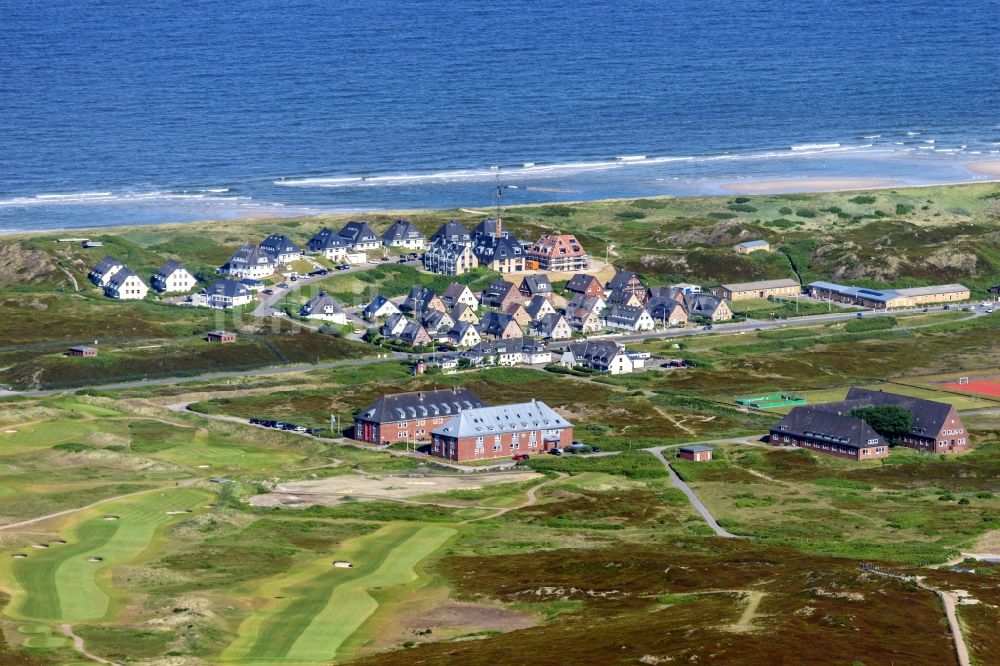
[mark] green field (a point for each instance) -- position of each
(328, 605)
(61, 583)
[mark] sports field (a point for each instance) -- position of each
(317, 608)
(982, 387)
(70, 582)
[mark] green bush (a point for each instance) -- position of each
(805, 212)
(785, 210)
(626, 215)
(870, 324)
(863, 199)
(742, 208)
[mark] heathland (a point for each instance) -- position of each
(132, 517)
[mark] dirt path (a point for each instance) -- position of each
(78, 645)
(531, 499)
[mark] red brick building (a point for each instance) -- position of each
(937, 427)
(221, 337)
(88, 352)
(695, 452)
(829, 431)
(410, 417)
(502, 431)
(584, 284)
(559, 252)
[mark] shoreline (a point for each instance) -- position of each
(762, 188)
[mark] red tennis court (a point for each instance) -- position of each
(982, 387)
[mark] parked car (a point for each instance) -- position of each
(519, 457)
(401, 260)
(301, 429)
(322, 271)
(555, 452)
(947, 307)
(860, 315)
(595, 449)
(269, 292)
(256, 421)
(282, 286)
(343, 267)
(294, 278)
(413, 255)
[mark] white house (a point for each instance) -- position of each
(328, 244)
(250, 262)
(173, 278)
(628, 318)
(227, 293)
(281, 248)
(403, 234)
(324, 306)
(459, 293)
(553, 326)
(379, 307)
(602, 355)
(360, 236)
(394, 325)
(126, 285)
(102, 273)
(464, 334)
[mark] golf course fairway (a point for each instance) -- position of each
(324, 605)
(65, 582)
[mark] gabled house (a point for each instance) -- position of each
(520, 315)
(328, 244)
(502, 254)
(667, 312)
(126, 285)
(538, 307)
(937, 427)
(626, 281)
(379, 308)
(553, 326)
(463, 312)
(464, 334)
(457, 294)
(324, 306)
(250, 262)
(436, 323)
(281, 248)
(399, 417)
(583, 313)
(447, 258)
(601, 355)
(513, 351)
(500, 294)
(499, 325)
(493, 432)
(707, 306)
(453, 232)
(173, 278)
(585, 285)
(421, 299)
(360, 236)
(225, 293)
(828, 431)
(674, 293)
(102, 273)
(559, 252)
(628, 318)
(402, 233)
(489, 228)
(394, 325)
(415, 335)
(625, 297)
(536, 285)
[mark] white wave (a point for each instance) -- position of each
(975, 152)
(871, 136)
(946, 150)
(928, 140)
(78, 195)
(925, 147)
(92, 198)
(528, 164)
(913, 134)
(630, 158)
(814, 146)
(897, 143)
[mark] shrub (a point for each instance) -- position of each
(627, 215)
(805, 212)
(863, 199)
(742, 208)
(903, 209)
(785, 210)
(741, 200)
(870, 324)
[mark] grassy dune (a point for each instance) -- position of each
(328, 605)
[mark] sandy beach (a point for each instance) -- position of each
(809, 185)
(987, 168)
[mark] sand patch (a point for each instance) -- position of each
(809, 185)
(986, 168)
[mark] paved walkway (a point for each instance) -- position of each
(678, 483)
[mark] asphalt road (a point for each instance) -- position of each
(678, 483)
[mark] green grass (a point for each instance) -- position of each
(329, 605)
(59, 584)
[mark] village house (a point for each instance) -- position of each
(394, 325)
(329, 245)
(515, 351)
(250, 262)
(379, 308)
(414, 334)
(583, 313)
(558, 252)
(519, 313)
(695, 452)
(536, 285)
(538, 307)
(490, 227)
(585, 285)
(463, 312)
(813, 427)
(457, 294)
(453, 232)
(421, 299)
(667, 312)
(628, 318)
(553, 326)
(937, 427)
(708, 307)
(626, 281)
(410, 417)
(173, 278)
(126, 285)
(324, 306)
(603, 355)
(499, 325)
(742, 291)
(625, 297)
(437, 323)
(281, 248)
(464, 334)
(360, 236)
(746, 247)
(403, 234)
(889, 298)
(502, 254)
(500, 294)
(674, 293)
(505, 430)
(102, 273)
(220, 337)
(687, 287)
(447, 258)
(227, 293)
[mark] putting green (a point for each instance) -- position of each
(50, 433)
(85, 408)
(62, 584)
(326, 605)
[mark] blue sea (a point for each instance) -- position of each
(115, 112)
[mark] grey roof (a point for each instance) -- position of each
(662, 308)
(485, 421)
(492, 248)
(696, 448)
(459, 329)
(513, 345)
(228, 288)
(933, 290)
(278, 244)
(377, 303)
(452, 232)
(253, 255)
(622, 279)
(535, 305)
(358, 232)
(580, 282)
(118, 279)
(453, 293)
(435, 320)
(418, 299)
(760, 285)
(621, 296)
(494, 294)
(105, 265)
(445, 249)
(599, 351)
(698, 304)
(536, 284)
(547, 324)
(754, 243)
(420, 404)
(168, 269)
(668, 293)
(401, 230)
(325, 239)
(487, 228)
(412, 332)
(627, 313)
(495, 323)
(322, 303)
(585, 303)
(876, 295)
(929, 416)
(818, 424)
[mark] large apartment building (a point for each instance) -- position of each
(505, 430)
(410, 417)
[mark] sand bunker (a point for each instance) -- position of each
(987, 168)
(111, 518)
(19, 556)
(95, 559)
(177, 512)
(39, 545)
(204, 466)
(343, 564)
(60, 542)
(809, 185)
(10, 432)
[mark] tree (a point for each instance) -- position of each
(890, 421)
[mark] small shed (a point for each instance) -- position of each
(695, 452)
(752, 246)
(221, 337)
(88, 352)
(419, 368)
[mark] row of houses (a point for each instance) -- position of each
(830, 428)
(459, 426)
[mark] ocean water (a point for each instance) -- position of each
(115, 112)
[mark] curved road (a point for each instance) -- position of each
(678, 483)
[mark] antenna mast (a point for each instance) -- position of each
(499, 194)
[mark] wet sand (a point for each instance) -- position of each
(986, 168)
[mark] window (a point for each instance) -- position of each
(479, 441)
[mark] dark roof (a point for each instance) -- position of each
(324, 239)
(701, 303)
(453, 232)
(401, 230)
(487, 228)
(278, 244)
(822, 425)
(621, 296)
(453, 293)
(512, 345)
(548, 323)
(622, 279)
(358, 232)
(252, 254)
(420, 404)
(491, 248)
(671, 293)
(535, 305)
(495, 323)
(580, 282)
(227, 287)
(620, 312)
(322, 303)
(118, 279)
(168, 268)
(497, 290)
(418, 299)
(601, 351)
(662, 308)
(105, 265)
(536, 284)
(696, 448)
(929, 416)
